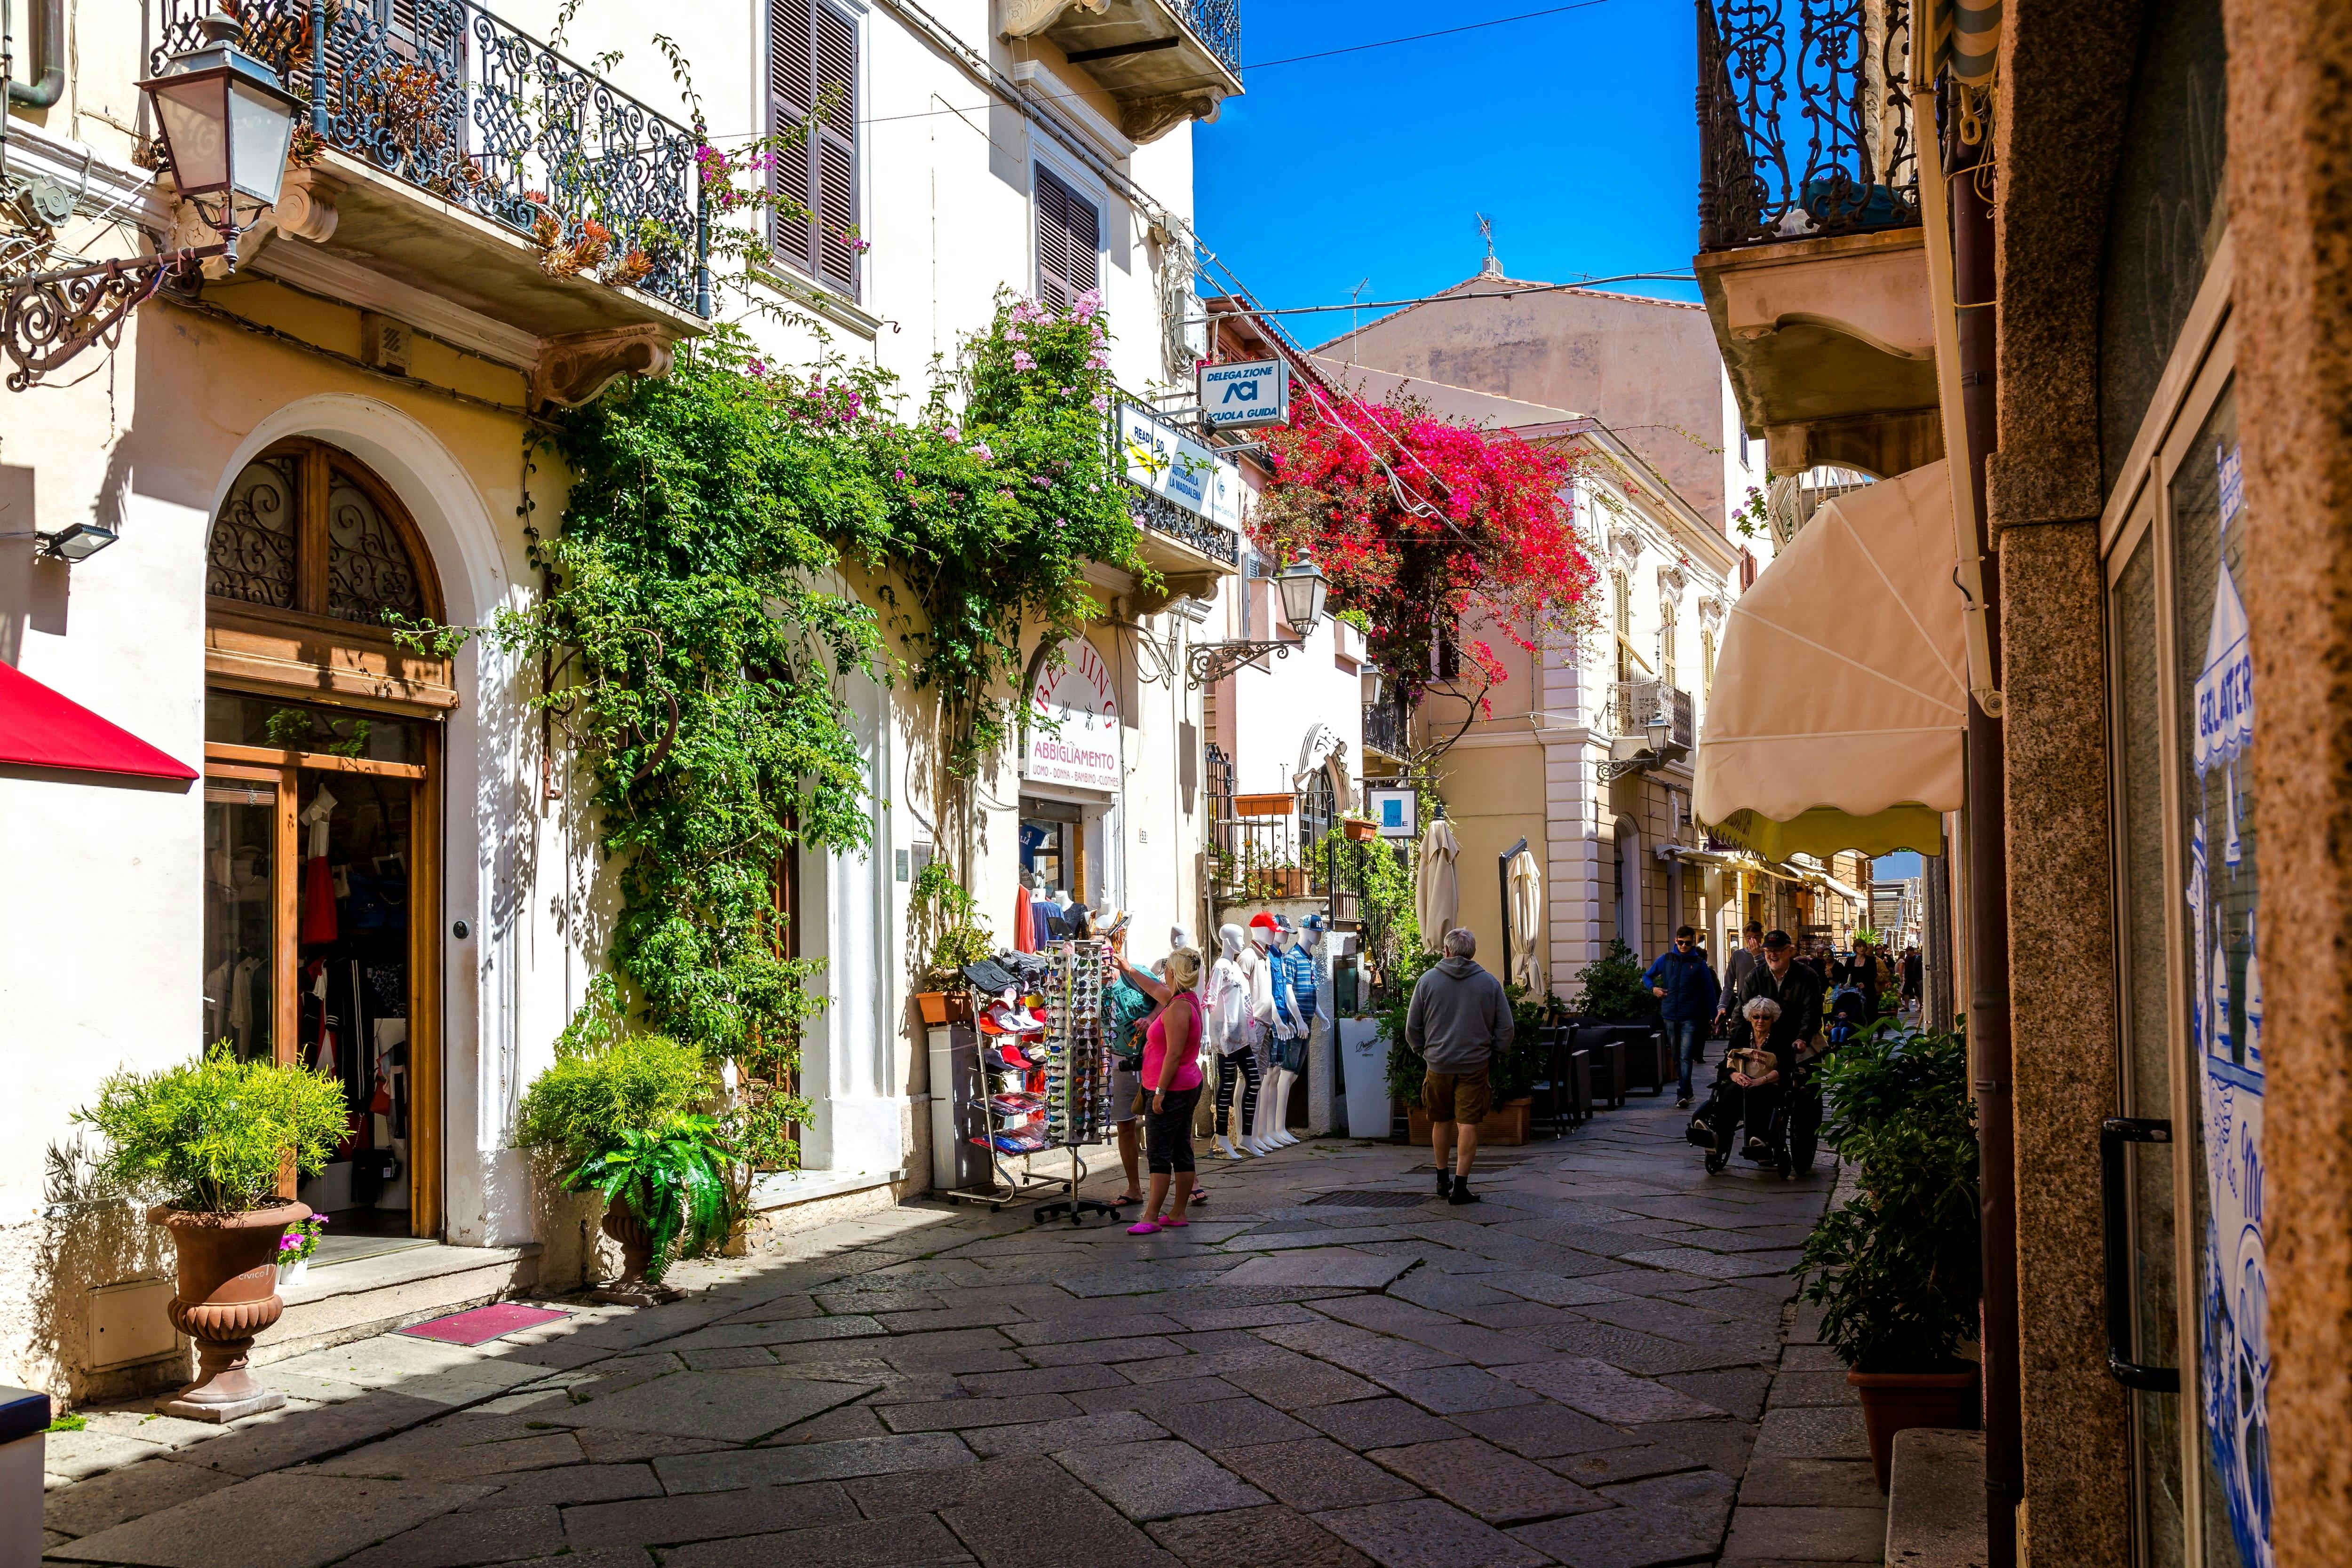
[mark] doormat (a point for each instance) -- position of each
(1367, 1199)
(483, 1323)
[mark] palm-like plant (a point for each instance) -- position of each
(673, 1177)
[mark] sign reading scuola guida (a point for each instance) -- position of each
(1073, 728)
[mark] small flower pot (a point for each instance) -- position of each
(1361, 832)
(934, 1005)
(294, 1273)
(226, 1293)
(1269, 805)
(635, 1239)
(1895, 1401)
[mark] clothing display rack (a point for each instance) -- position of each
(1077, 1048)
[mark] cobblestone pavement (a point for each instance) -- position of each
(1599, 1365)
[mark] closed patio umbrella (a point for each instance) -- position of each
(1437, 890)
(1527, 920)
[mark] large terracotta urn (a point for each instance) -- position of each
(635, 1239)
(227, 1293)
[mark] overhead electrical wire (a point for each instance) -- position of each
(1417, 37)
(1256, 313)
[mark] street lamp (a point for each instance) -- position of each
(226, 124)
(1302, 587)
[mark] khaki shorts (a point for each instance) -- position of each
(1458, 1097)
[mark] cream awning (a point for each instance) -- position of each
(1840, 703)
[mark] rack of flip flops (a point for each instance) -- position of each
(1077, 1048)
(1014, 1076)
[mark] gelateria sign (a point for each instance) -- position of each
(1073, 720)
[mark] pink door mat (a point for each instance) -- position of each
(484, 1323)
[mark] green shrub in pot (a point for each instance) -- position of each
(210, 1140)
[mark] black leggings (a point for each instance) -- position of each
(1168, 1134)
(1242, 1064)
(1754, 1106)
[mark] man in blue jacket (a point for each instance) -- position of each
(1684, 984)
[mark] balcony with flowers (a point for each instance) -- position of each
(1163, 62)
(445, 151)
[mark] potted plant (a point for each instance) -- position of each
(949, 916)
(295, 1248)
(626, 1115)
(1896, 1269)
(212, 1140)
(1359, 827)
(1280, 803)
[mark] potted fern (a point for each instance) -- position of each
(211, 1139)
(1896, 1269)
(628, 1116)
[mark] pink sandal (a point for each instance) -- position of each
(1143, 1228)
(1174, 1224)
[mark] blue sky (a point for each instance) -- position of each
(1573, 132)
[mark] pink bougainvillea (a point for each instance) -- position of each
(1417, 522)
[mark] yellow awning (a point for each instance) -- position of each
(1840, 707)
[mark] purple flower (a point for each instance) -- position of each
(759, 367)
(1041, 481)
(901, 475)
(980, 450)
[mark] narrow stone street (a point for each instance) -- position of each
(1599, 1365)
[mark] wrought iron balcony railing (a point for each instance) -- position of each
(1385, 730)
(1164, 516)
(452, 100)
(1847, 64)
(1217, 23)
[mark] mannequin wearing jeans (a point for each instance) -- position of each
(1227, 1007)
(1292, 1020)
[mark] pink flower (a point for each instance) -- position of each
(1088, 305)
(1024, 360)
(980, 450)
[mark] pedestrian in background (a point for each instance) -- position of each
(1458, 1022)
(1688, 996)
(1736, 969)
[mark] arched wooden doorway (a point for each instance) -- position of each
(322, 845)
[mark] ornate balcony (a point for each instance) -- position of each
(1386, 732)
(1810, 244)
(462, 158)
(1163, 61)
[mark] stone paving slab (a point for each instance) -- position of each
(912, 1542)
(1337, 1265)
(1255, 1537)
(271, 1522)
(1499, 1487)
(123, 1495)
(1159, 1479)
(668, 1521)
(1428, 1534)
(729, 1469)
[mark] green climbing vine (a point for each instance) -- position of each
(693, 637)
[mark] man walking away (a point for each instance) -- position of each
(1458, 1024)
(1687, 993)
(1736, 969)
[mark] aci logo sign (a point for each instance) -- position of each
(1246, 396)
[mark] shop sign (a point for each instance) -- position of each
(1246, 396)
(1177, 469)
(1397, 812)
(1073, 730)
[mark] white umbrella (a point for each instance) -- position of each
(1527, 920)
(1438, 892)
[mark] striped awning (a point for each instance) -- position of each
(1967, 36)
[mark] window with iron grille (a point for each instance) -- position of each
(812, 70)
(1069, 242)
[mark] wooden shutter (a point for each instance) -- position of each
(1069, 243)
(813, 62)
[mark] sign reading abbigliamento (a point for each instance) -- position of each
(1074, 723)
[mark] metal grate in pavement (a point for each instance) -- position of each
(1369, 1199)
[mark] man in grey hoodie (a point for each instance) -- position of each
(1459, 1023)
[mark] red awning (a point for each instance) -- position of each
(39, 728)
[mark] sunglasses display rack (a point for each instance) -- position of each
(1077, 1048)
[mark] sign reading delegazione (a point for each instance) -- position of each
(1074, 723)
(1177, 469)
(1245, 395)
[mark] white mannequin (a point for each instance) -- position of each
(1258, 965)
(1225, 1008)
(1274, 1105)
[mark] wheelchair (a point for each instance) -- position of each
(1791, 1136)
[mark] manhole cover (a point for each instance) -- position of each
(1369, 1199)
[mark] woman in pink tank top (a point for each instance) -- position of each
(1172, 1077)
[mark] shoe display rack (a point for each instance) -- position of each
(999, 1091)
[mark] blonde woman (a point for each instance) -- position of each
(1172, 1077)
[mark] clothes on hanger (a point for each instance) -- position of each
(318, 922)
(1024, 929)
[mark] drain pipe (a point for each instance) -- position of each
(51, 87)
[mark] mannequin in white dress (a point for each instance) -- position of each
(1261, 963)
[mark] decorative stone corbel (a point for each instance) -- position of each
(306, 205)
(1027, 19)
(1625, 549)
(1150, 118)
(1672, 582)
(1711, 610)
(574, 368)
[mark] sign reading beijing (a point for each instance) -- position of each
(1074, 723)
(1246, 396)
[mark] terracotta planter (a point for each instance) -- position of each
(1265, 805)
(635, 1239)
(225, 1294)
(1895, 1401)
(1505, 1125)
(1360, 831)
(934, 1005)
